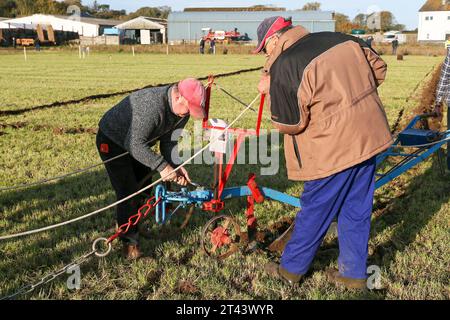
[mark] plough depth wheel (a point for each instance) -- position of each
(221, 237)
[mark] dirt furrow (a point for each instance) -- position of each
(109, 95)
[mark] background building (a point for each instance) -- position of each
(84, 26)
(434, 21)
(143, 30)
(188, 25)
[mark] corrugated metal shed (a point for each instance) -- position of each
(188, 26)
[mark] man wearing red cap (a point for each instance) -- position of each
(135, 124)
(324, 98)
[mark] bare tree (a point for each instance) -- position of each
(360, 19)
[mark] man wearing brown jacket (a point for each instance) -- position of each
(324, 98)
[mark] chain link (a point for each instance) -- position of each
(50, 277)
(143, 212)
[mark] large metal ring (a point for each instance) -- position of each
(101, 254)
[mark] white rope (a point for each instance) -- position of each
(54, 226)
(26, 185)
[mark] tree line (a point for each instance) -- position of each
(386, 19)
(18, 8)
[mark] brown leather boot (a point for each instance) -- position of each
(276, 271)
(131, 251)
(336, 278)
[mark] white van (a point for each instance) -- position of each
(389, 36)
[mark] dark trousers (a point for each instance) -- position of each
(127, 176)
(347, 195)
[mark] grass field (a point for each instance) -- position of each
(410, 233)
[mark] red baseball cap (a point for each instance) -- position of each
(268, 28)
(194, 92)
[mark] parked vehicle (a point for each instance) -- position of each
(223, 36)
(390, 36)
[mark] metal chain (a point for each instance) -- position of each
(143, 212)
(50, 277)
(134, 219)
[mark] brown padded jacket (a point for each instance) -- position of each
(324, 98)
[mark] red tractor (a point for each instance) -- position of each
(221, 36)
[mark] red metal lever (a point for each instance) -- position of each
(253, 186)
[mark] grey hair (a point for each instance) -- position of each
(280, 32)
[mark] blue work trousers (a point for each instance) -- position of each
(347, 195)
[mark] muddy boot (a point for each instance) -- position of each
(131, 251)
(336, 278)
(276, 271)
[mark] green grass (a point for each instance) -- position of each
(48, 76)
(410, 232)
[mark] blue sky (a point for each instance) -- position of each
(404, 10)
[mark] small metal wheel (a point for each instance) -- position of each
(221, 237)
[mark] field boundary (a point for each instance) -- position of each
(113, 94)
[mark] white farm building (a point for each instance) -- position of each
(84, 26)
(434, 21)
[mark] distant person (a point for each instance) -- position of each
(202, 46)
(212, 48)
(394, 46)
(369, 41)
(37, 44)
(14, 42)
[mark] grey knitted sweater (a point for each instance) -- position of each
(140, 118)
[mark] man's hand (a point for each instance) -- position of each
(438, 110)
(167, 174)
(183, 177)
(264, 84)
